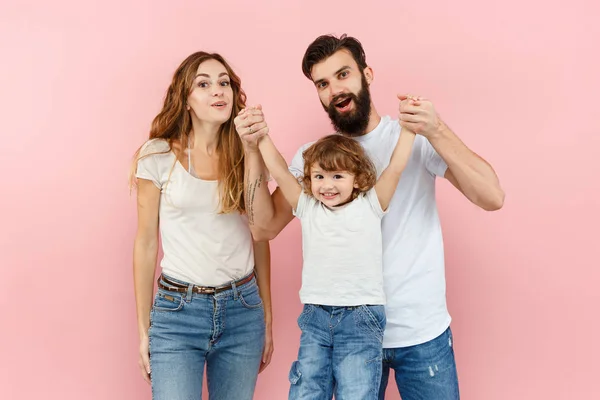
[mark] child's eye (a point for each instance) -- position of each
(318, 176)
(338, 177)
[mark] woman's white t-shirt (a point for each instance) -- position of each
(200, 245)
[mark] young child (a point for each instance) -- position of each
(340, 204)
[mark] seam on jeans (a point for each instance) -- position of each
(438, 349)
(215, 329)
(224, 315)
(150, 352)
(379, 359)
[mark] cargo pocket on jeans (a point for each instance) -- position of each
(295, 373)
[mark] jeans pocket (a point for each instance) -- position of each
(295, 374)
(304, 315)
(440, 348)
(372, 320)
(250, 298)
(167, 301)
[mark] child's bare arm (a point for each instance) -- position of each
(388, 181)
(289, 185)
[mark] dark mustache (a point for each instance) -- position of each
(341, 97)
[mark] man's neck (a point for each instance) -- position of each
(374, 119)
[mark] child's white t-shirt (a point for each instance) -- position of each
(200, 245)
(342, 251)
(413, 249)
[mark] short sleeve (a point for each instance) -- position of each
(433, 162)
(147, 165)
(371, 197)
(305, 202)
(297, 165)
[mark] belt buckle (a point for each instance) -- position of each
(205, 290)
(169, 287)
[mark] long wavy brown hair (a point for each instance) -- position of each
(340, 153)
(174, 124)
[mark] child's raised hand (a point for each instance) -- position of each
(417, 114)
(406, 110)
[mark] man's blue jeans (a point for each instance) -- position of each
(423, 372)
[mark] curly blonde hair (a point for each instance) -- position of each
(340, 153)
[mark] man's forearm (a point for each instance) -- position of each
(475, 178)
(259, 205)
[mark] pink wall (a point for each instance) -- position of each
(517, 81)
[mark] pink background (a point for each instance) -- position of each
(517, 80)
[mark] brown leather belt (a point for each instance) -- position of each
(181, 288)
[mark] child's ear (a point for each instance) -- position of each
(355, 185)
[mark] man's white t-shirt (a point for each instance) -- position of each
(413, 249)
(341, 250)
(200, 245)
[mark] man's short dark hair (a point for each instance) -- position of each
(326, 45)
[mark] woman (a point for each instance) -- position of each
(213, 300)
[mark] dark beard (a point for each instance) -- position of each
(353, 123)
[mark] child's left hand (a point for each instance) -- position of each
(418, 115)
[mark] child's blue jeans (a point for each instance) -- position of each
(340, 353)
